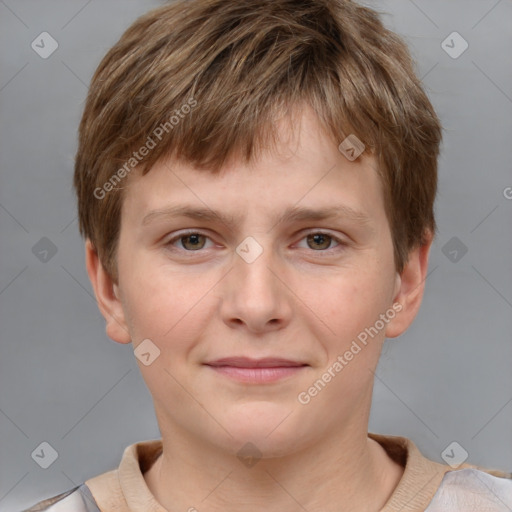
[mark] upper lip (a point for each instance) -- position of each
(247, 362)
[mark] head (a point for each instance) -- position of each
(239, 108)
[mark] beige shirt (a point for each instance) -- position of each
(425, 485)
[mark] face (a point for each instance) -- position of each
(251, 282)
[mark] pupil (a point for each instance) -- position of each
(192, 240)
(319, 237)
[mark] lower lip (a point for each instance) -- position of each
(258, 375)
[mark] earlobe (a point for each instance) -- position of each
(107, 296)
(410, 285)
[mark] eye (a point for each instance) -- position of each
(193, 241)
(320, 241)
(190, 241)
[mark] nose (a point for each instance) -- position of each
(254, 297)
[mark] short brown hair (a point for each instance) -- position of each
(242, 64)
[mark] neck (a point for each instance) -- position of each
(343, 472)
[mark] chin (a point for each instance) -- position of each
(261, 423)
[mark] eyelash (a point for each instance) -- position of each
(341, 243)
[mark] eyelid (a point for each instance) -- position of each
(180, 234)
(341, 242)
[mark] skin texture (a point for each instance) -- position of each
(301, 299)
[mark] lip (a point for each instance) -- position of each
(247, 362)
(256, 371)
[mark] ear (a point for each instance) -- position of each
(410, 285)
(107, 296)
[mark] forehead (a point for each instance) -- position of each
(304, 175)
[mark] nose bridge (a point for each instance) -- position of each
(254, 294)
(252, 261)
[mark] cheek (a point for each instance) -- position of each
(167, 307)
(346, 304)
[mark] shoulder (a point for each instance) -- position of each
(78, 499)
(104, 491)
(473, 489)
(433, 487)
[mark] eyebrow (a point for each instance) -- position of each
(293, 213)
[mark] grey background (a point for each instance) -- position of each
(63, 381)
